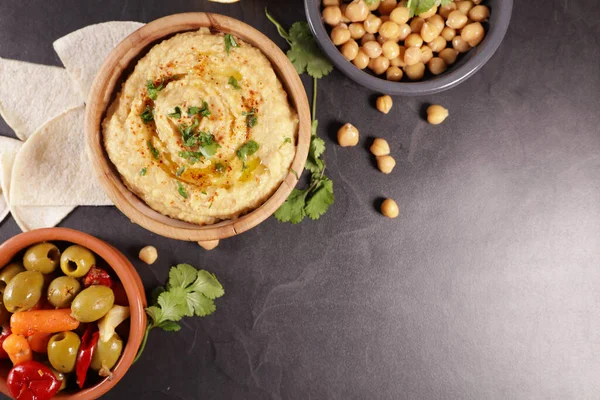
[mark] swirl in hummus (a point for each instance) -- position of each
(202, 130)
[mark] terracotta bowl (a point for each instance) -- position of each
(128, 277)
(108, 82)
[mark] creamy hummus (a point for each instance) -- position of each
(202, 130)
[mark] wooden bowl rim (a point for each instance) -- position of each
(104, 88)
(128, 276)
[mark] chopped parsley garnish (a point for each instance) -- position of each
(181, 190)
(204, 192)
(153, 89)
(153, 150)
(208, 145)
(204, 111)
(192, 156)
(230, 42)
(287, 140)
(220, 168)
(246, 150)
(176, 113)
(180, 170)
(251, 118)
(143, 171)
(148, 115)
(234, 82)
(187, 133)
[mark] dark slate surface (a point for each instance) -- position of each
(488, 284)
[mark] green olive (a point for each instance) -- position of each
(76, 261)
(43, 257)
(107, 354)
(62, 291)
(62, 351)
(92, 303)
(23, 291)
(9, 272)
(4, 314)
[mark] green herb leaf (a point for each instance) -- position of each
(153, 150)
(208, 284)
(220, 168)
(246, 150)
(287, 140)
(173, 307)
(153, 89)
(251, 117)
(187, 133)
(292, 210)
(143, 171)
(204, 111)
(204, 192)
(170, 326)
(293, 171)
(320, 200)
(233, 82)
(176, 113)
(230, 42)
(181, 190)
(192, 156)
(148, 115)
(420, 6)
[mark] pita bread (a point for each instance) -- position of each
(52, 168)
(26, 217)
(29, 94)
(82, 52)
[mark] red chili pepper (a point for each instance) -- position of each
(32, 381)
(97, 276)
(6, 332)
(86, 352)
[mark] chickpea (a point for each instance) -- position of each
(448, 55)
(361, 61)
(437, 65)
(357, 30)
(384, 18)
(379, 65)
(368, 37)
(345, 19)
(387, 6)
(412, 55)
(372, 23)
(457, 20)
(438, 44)
(386, 164)
(374, 5)
(394, 73)
(426, 54)
(209, 244)
(399, 61)
(327, 3)
(464, 6)
(448, 34)
(350, 50)
(405, 30)
(438, 22)
(384, 104)
(380, 147)
(348, 135)
(416, 24)
(148, 254)
(479, 13)
(476, 2)
(436, 114)
(389, 30)
(413, 40)
(381, 40)
(390, 49)
(357, 11)
(429, 32)
(415, 72)
(332, 15)
(460, 44)
(400, 15)
(432, 11)
(444, 11)
(340, 35)
(473, 33)
(372, 49)
(389, 208)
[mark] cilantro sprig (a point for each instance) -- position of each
(314, 201)
(189, 292)
(204, 110)
(246, 150)
(230, 42)
(251, 117)
(420, 6)
(147, 115)
(153, 89)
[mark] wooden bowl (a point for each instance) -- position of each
(107, 83)
(127, 275)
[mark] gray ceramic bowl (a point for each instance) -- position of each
(465, 67)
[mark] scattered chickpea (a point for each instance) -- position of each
(448, 55)
(148, 254)
(479, 13)
(380, 147)
(379, 65)
(415, 72)
(332, 15)
(389, 208)
(348, 135)
(394, 74)
(384, 104)
(209, 244)
(457, 20)
(361, 61)
(436, 114)
(350, 50)
(340, 35)
(437, 66)
(386, 164)
(357, 30)
(357, 11)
